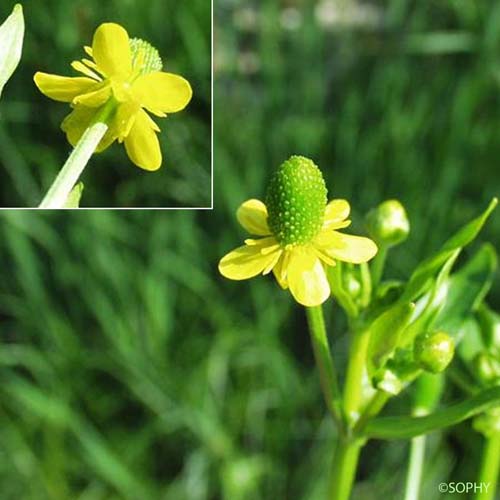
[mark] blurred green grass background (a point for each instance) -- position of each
(32, 146)
(131, 370)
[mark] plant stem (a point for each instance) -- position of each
(355, 372)
(324, 361)
(344, 468)
(488, 473)
(378, 265)
(372, 410)
(415, 467)
(77, 161)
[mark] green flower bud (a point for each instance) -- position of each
(488, 423)
(389, 382)
(489, 321)
(296, 201)
(145, 58)
(487, 368)
(434, 351)
(388, 223)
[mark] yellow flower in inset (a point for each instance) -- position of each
(126, 73)
(299, 234)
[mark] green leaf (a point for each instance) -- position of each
(73, 200)
(428, 307)
(409, 427)
(424, 273)
(385, 333)
(11, 44)
(466, 290)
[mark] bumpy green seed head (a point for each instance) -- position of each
(145, 58)
(296, 201)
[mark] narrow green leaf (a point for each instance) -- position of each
(11, 44)
(466, 289)
(74, 197)
(426, 270)
(409, 427)
(385, 333)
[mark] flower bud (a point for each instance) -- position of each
(488, 423)
(487, 367)
(388, 223)
(434, 351)
(351, 283)
(296, 201)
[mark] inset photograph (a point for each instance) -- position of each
(105, 105)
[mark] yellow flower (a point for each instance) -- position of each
(126, 73)
(296, 252)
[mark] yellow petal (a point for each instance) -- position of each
(245, 262)
(111, 50)
(142, 143)
(162, 92)
(75, 124)
(62, 88)
(252, 215)
(335, 213)
(279, 270)
(348, 248)
(96, 98)
(307, 278)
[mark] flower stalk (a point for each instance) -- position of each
(60, 189)
(324, 361)
(490, 466)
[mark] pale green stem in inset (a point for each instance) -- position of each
(70, 173)
(416, 462)
(490, 464)
(378, 265)
(355, 372)
(415, 467)
(324, 361)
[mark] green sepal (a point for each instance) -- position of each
(74, 197)
(409, 427)
(385, 333)
(11, 44)
(422, 277)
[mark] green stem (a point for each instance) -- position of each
(70, 173)
(373, 408)
(324, 361)
(415, 467)
(355, 372)
(378, 265)
(488, 473)
(344, 468)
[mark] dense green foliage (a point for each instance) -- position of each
(32, 146)
(129, 369)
